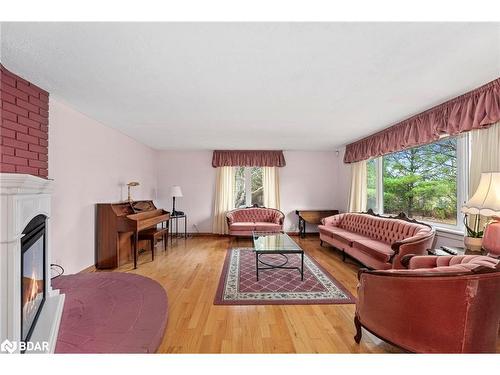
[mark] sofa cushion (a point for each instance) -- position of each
(374, 248)
(339, 234)
(242, 227)
(380, 228)
(267, 227)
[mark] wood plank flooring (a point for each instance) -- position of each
(190, 270)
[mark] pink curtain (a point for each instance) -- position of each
(477, 109)
(229, 158)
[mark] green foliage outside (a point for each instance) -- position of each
(240, 186)
(421, 181)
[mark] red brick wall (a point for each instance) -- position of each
(24, 128)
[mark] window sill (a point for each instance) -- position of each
(456, 232)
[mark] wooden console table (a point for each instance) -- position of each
(312, 217)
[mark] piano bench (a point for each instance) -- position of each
(153, 235)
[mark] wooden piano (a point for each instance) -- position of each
(117, 230)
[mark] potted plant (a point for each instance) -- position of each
(474, 238)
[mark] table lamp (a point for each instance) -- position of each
(175, 191)
(486, 202)
(130, 184)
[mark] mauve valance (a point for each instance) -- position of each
(235, 158)
(476, 109)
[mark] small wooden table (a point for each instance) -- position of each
(312, 217)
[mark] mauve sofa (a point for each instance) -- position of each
(445, 304)
(377, 242)
(244, 221)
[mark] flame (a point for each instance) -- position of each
(33, 292)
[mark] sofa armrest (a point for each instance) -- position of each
(416, 245)
(229, 218)
(332, 221)
(279, 217)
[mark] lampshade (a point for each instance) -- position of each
(486, 199)
(175, 191)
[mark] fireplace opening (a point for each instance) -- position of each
(33, 277)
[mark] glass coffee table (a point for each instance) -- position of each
(276, 243)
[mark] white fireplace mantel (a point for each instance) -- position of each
(22, 197)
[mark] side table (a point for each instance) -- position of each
(175, 219)
(450, 250)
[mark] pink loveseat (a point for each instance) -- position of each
(244, 221)
(445, 304)
(375, 241)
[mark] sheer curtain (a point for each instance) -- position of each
(224, 198)
(485, 157)
(271, 185)
(358, 192)
(485, 154)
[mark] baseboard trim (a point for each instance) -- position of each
(206, 234)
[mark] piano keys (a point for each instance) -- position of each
(117, 230)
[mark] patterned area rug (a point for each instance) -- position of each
(238, 284)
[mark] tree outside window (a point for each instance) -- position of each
(421, 182)
(248, 187)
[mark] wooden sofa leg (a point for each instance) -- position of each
(321, 243)
(357, 324)
(343, 256)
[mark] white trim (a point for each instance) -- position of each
(379, 190)
(454, 232)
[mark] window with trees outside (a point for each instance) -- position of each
(427, 182)
(248, 187)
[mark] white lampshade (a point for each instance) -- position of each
(486, 199)
(175, 191)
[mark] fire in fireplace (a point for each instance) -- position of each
(33, 277)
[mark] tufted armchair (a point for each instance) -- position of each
(244, 221)
(446, 304)
(377, 242)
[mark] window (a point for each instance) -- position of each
(427, 182)
(371, 169)
(248, 187)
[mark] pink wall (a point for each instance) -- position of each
(193, 172)
(342, 181)
(90, 163)
(307, 181)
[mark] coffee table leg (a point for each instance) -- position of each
(302, 268)
(257, 265)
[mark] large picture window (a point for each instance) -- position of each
(427, 182)
(248, 187)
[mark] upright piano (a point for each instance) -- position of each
(117, 229)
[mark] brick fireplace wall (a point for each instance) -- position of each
(24, 128)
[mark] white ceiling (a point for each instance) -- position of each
(292, 86)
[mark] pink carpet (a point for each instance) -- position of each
(111, 312)
(239, 286)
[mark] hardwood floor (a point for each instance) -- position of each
(190, 270)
